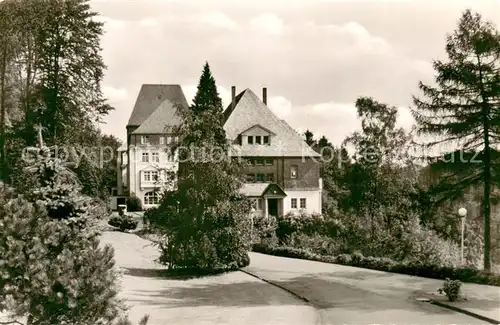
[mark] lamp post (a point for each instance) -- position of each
(462, 212)
(251, 224)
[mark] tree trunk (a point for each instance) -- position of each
(2, 111)
(487, 170)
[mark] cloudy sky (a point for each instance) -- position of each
(314, 56)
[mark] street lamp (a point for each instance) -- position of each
(252, 212)
(462, 212)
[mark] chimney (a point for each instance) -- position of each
(233, 97)
(264, 95)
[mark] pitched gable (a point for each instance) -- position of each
(249, 111)
(161, 120)
(149, 99)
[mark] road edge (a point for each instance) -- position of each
(304, 299)
(464, 311)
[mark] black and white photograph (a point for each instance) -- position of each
(280, 162)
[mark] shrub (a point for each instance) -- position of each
(133, 203)
(451, 289)
(316, 243)
(123, 223)
(467, 274)
(264, 230)
(52, 269)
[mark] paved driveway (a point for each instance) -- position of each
(233, 298)
(348, 295)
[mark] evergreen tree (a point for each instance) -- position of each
(207, 97)
(52, 270)
(462, 109)
(309, 138)
(205, 219)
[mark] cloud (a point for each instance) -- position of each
(114, 94)
(215, 18)
(280, 106)
(353, 36)
(110, 23)
(268, 23)
(149, 22)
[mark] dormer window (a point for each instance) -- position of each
(256, 135)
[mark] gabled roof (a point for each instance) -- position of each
(161, 120)
(249, 110)
(258, 126)
(261, 189)
(150, 97)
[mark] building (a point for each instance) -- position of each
(145, 166)
(283, 173)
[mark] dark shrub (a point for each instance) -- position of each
(134, 204)
(451, 288)
(123, 223)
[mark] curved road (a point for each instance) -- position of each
(336, 294)
(349, 295)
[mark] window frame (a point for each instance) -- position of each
(303, 200)
(155, 155)
(145, 157)
(292, 169)
(258, 139)
(265, 139)
(293, 203)
(250, 139)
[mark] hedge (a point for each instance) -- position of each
(468, 274)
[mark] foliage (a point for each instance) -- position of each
(52, 268)
(50, 72)
(462, 110)
(451, 288)
(123, 223)
(133, 203)
(264, 230)
(466, 274)
(205, 220)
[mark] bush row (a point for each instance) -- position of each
(468, 274)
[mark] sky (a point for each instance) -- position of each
(316, 57)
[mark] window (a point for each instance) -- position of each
(258, 139)
(266, 139)
(169, 140)
(294, 203)
(302, 203)
(154, 176)
(144, 139)
(176, 139)
(146, 176)
(162, 140)
(145, 157)
(269, 162)
(259, 161)
(250, 178)
(155, 157)
(151, 198)
(250, 140)
(293, 171)
(270, 177)
(259, 204)
(260, 177)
